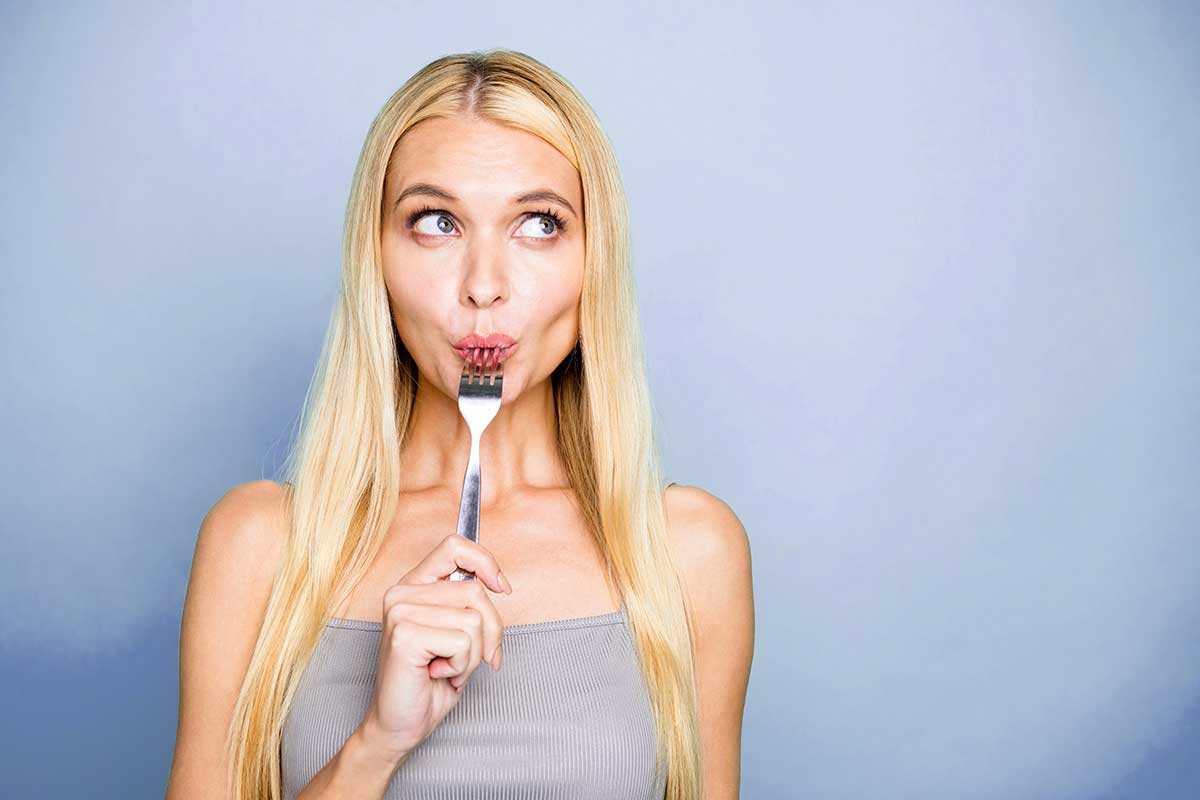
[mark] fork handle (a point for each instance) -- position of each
(468, 507)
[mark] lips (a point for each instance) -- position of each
(492, 340)
(480, 350)
(485, 356)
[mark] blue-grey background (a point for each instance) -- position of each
(919, 289)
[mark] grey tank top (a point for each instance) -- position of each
(567, 716)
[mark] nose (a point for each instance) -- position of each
(485, 280)
(482, 298)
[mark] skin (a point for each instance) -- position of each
(486, 264)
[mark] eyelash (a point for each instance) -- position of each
(559, 222)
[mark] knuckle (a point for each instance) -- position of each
(394, 594)
(396, 613)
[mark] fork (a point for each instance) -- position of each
(479, 390)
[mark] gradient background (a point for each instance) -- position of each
(935, 269)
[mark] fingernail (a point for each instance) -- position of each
(504, 580)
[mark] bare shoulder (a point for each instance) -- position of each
(706, 535)
(712, 549)
(239, 544)
(240, 541)
(250, 516)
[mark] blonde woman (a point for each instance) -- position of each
(323, 651)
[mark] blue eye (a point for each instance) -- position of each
(416, 216)
(549, 214)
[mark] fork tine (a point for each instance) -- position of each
(496, 373)
(488, 372)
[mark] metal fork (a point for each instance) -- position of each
(479, 390)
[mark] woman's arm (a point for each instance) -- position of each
(358, 770)
(240, 541)
(713, 551)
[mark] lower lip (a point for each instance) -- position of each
(469, 354)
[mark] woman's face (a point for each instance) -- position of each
(470, 246)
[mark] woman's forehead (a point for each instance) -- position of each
(480, 161)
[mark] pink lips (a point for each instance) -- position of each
(485, 350)
(473, 340)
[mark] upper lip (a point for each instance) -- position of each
(485, 341)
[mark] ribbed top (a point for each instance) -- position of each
(567, 717)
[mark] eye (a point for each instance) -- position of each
(441, 221)
(546, 222)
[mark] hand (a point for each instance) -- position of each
(435, 633)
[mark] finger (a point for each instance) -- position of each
(457, 552)
(467, 619)
(467, 594)
(424, 643)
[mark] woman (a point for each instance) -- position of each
(323, 650)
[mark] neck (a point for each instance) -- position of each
(517, 450)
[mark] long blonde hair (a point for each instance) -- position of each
(342, 477)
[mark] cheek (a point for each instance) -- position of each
(416, 293)
(570, 291)
(408, 313)
(412, 282)
(560, 288)
(556, 310)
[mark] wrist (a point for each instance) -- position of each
(373, 750)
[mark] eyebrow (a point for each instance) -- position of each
(430, 190)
